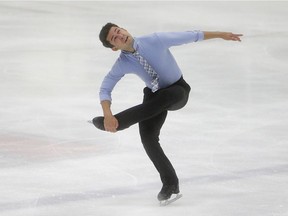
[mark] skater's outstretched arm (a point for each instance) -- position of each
(223, 35)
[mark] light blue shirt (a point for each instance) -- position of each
(155, 49)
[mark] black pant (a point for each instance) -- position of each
(151, 115)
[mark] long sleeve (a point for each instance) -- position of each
(109, 82)
(178, 38)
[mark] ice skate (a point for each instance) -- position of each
(169, 194)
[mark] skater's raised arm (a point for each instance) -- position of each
(223, 35)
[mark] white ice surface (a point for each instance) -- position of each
(229, 145)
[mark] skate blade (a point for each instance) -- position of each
(170, 200)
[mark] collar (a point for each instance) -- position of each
(135, 46)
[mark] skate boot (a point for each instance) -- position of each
(167, 191)
(99, 122)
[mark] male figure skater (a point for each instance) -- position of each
(166, 90)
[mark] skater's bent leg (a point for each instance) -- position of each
(149, 132)
(167, 99)
(171, 98)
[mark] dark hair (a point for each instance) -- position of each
(104, 33)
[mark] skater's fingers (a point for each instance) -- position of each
(110, 129)
(116, 124)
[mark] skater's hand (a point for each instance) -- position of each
(110, 124)
(231, 36)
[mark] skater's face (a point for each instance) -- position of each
(120, 38)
